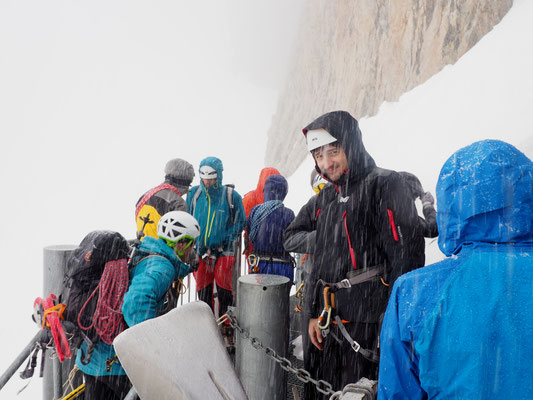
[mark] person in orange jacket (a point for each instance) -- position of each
(252, 199)
(255, 197)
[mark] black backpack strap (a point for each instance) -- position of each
(148, 254)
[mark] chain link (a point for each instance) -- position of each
(285, 364)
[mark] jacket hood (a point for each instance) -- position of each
(216, 164)
(485, 194)
(263, 175)
(276, 188)
(345, 128)
(158, 246)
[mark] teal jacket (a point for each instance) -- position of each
(150, 279)
(213, 214)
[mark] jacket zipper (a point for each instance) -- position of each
(208, 214)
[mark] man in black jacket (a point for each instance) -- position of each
(364, 236)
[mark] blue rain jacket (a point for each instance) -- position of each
(149, 281)
(269, 238)
(213, 214)
(461, 328)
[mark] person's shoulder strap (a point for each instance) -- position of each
(147, 254)
(195, 197)
(150, 193)
(229, 197)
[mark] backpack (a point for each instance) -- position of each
(96, 280)
(229, 197)
(152, 192)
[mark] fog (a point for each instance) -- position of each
(96, 97)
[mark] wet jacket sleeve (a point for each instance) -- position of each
(146, 291)
(401, 241)
(398, 368)
(300, 235)
(430, 221)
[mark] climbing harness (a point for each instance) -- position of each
(328, 315)
(368, 354)
(256, 257)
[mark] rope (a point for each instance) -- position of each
(148, 195)
(107, 319)
(261, 212)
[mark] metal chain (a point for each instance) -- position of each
(285, 364)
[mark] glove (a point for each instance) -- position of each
(427, 199)
(193, 260)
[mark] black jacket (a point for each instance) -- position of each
(366, 214)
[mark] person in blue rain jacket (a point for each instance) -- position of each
(461, 328)
(265, 227)
(221, 217)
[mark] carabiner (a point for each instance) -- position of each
(322, 317)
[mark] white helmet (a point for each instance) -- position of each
(317, 138)
(207, 172)
(177, 225)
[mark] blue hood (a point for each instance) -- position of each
(485, 194)
(276, 188)
(216, 164)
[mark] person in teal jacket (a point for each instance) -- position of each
(156, 265)
(220, 212)
(461, 328)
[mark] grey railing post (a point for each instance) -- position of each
(262, 310)
(23, 356)
(55, 263)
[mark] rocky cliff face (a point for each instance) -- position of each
(356, 54)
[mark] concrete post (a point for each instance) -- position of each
(262, 310)
(55, 264)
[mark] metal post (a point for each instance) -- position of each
(263, 310)
(55, 263)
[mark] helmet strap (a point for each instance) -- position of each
(181, 252)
